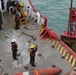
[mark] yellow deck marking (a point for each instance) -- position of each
(61, 50)
(53, 42)
(73, 63)
(70, 59)
(67, 56)
(56, 44)
(41, 31)
(64, 53)
(58, 48)
(40, 28)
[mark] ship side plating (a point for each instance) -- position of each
(69, 36)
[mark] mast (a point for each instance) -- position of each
(70, 18)
(70, 12)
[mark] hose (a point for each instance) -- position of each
(34, 38)
(31, 28)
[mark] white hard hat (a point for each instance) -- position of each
(13, 40)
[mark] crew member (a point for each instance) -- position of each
(14, 49)
(17, 20)
(32, 51)
(1, 21)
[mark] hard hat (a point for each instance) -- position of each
(32, 46)
(13, 40)
(21, 4)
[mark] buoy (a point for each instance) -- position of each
(44, 71)
(47, 71)
(24, 73)
(38, 18)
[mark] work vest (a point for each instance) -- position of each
(14, 46)
(31, 53)
(17, 18)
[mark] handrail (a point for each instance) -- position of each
(45, 22)
(45, 25)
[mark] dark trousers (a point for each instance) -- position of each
(14, 54)
(17, 25)
(32, 60)
(0, 26)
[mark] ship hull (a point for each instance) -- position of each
(71, 42)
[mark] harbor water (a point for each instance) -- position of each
(56, 12)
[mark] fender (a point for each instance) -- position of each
(32, 16)
(38, 18)
(29, 12)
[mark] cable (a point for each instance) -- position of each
(32, 28)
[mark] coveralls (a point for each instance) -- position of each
(14, 50)
(32, 55)
(17, 20)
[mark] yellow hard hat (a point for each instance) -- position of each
(32, 46)
(21, 4)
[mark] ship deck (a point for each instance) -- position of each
(46, 55)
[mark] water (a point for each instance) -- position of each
(56, 11)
